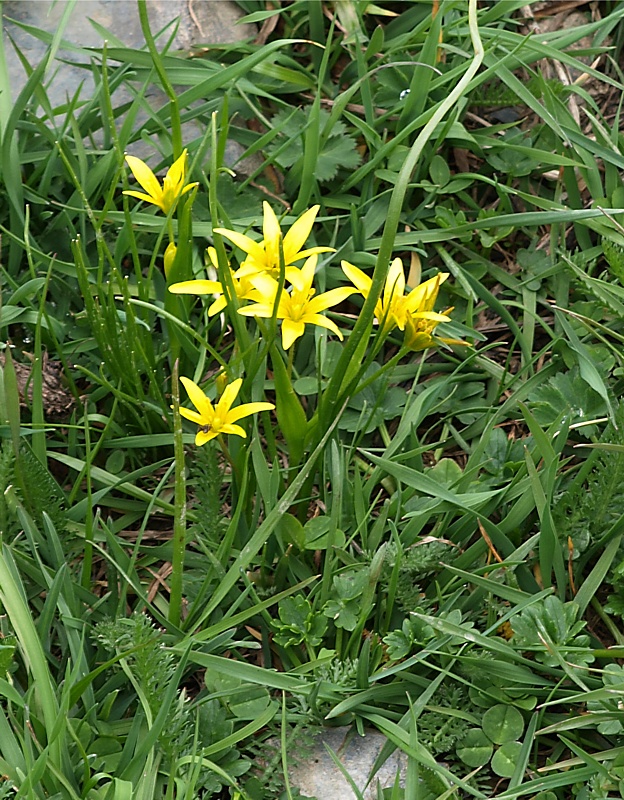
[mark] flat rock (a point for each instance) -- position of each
(199, 22)
(320, 777)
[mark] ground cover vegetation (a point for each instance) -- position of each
(316, 419)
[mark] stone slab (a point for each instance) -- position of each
(320, 777)
(201, 22)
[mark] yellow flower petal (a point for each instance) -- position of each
(328, 299)
(174, 179)
(298, 233)
(291, 330)
(144, 176)
(145, 197)
(272, 234)
(324, 322)
(196, 287)
(293, 275)
(193, 416)
(228, 397)
(358, 278)
(219, 304)
(431, 315)
(212, 256)
(265, 284)
(234, 429)
(257, 310)
(248, 408)
(201, 437)
(246, 244)
(198, 398)
(306, 274)
(313, 251)
(395, 283)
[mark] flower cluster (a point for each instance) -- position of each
(412, 312)
(268, 284)
(257, 279)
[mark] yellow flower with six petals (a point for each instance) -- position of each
(173, 187)
(299, 306)
(421, 319)
(216, 420)
(264, 256)
(394, 306)
(243, 287)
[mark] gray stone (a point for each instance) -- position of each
(201, 22)
(320, 777)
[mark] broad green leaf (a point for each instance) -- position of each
(475, 749)
(503, 724)
(505, 759)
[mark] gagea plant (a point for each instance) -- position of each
(310, 416)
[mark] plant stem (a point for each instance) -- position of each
(179, 518)
(228, 455)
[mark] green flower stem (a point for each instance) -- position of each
(337, 391)
(385, 368)
(291, 417)
(226, 452)
(291, 359)
(176, 125)
(179, 514)
(87, 561)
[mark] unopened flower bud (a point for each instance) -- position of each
(169, 257)
(221, 382)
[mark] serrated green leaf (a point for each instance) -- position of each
(336, 154)
(338, 150)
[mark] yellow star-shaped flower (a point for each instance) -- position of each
(394, 306)
(165, 196)
(421, 320)
(243, 287)
(297, 307)
(216, 420)
(264, 256)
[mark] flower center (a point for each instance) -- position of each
(271, 250)
(296, 304)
